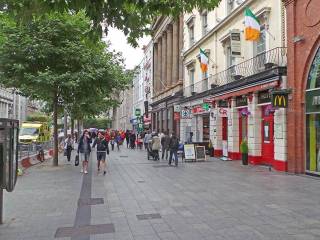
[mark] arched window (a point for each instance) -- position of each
(314, 73)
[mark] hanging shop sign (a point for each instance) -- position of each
(197, 110)
(146, 108)
(137, 112)
(264, 97)
(279, 98)
(206, 106)
(177, 108)
(223, 112)
(313, 101)
(235, 42)
(186, 114)
(241, 101)
(176, 116)
(223, 103)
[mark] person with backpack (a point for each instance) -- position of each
(174, 146)
(68, 147)
(102, 150)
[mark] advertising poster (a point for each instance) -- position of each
(189, 152)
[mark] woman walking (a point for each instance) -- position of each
(84, 149)
(68, 146)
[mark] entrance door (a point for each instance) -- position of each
(225, 137)
(267, 138)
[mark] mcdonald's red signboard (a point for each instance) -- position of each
(279, 99)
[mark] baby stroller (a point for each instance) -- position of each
(152, 154)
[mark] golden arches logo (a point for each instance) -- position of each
(278, 100)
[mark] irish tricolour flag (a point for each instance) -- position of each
(252, 26)
(203, 61)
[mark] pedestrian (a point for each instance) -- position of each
(68, 147)
(189, 140)
(147, 139)
(174, 146)
(118, 140)
(165, 140)
(127, 135)
(112, 139)
(84, 150)
(102, 150)
(133, 140)
(155, 146)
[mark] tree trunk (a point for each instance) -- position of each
(72, 127)
(55, 130)
(78, 126)
(65, 124)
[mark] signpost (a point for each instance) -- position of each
(200, 153)
(189, 152)
(279, 98)
(8, 157)
(138, 112)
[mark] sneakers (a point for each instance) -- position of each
(86, 172)
(81, 170)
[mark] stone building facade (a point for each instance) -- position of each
(232, 101)
(167, 73)
(303, 21)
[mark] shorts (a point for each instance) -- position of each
(101, 156)
(84, 156)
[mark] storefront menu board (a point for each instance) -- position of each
(200, 153)
(189, 152)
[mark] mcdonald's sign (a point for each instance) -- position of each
(279, 99)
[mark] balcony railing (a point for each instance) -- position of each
(261, 62)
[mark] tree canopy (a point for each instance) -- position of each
(53, 58)
(134, 17)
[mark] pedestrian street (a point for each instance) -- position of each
(145, 199)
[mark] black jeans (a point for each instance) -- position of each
(69, 150)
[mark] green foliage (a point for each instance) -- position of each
(38, 117)
(244, 147)
(100, 123)
(54, 57)
(132, 16)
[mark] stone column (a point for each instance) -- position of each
(169, 55)
(155, 67)
(159, 68)
(180, 48)
(164, 63)
(175, 53)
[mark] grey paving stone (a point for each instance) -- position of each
(218, 200)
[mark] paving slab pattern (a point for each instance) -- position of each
(197, 200)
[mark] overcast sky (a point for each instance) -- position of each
(132, 56)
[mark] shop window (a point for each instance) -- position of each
(313, 116)
(266, 131)
(206, 128)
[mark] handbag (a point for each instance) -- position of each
(76, 160)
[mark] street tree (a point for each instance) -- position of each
(53, 58)
(134, 17)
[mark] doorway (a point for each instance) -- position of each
(225, 136)
(267, 153)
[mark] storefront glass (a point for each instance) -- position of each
(206, 128)
(313, 116)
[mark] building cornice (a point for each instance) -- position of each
(220, 25)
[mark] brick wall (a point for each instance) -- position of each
(303, 19)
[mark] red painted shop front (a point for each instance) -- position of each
(267, 133)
